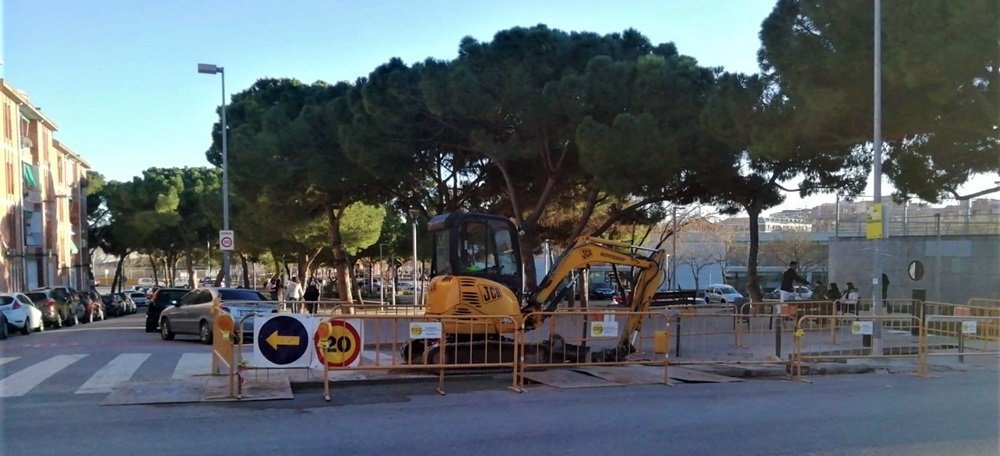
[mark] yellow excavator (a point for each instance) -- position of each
(477, 271)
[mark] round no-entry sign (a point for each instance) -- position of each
(226, 239)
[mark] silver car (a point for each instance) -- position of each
(192, 314)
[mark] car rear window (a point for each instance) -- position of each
(4, 300)
(241, 295)
(37, 297)
(169, 295)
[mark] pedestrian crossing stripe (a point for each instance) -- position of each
(122, 369)
(19, 383)
(114, 373)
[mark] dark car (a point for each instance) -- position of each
(600, 290)
(193, 313)
(113, 307)
(161, 299)
(130, 307)
(59, 305)
(93, 306)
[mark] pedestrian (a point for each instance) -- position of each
(272, 288)
(311, 296)
(788, 279)
(819, 291)
(833, 293)
(849, 300)
(279, 289)
(293, 294)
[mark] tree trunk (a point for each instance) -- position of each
(117, 282)
(752, 285)
(246, 270)
(189, 265)
(339, 255)
(152, 263)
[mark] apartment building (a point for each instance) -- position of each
(43, 201)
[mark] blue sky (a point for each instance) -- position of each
(119, 76)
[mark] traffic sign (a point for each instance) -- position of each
(343, 344)
(283, 340)
(227, 239)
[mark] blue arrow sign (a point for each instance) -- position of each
(282, 339)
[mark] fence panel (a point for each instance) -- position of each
(900, 338)
(959, 335)
(591, 337)
(417, 344)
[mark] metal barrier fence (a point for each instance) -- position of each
(962, 336)
(554, 345)
(990, 330)
(897, 338)
(415, 344)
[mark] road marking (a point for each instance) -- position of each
(20, 383)
(192, 364)
(116, 372)
(7, 360)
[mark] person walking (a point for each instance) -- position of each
(311, 296)
(294, 294)
(788, 279)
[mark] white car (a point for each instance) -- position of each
(801, 294)
(21, 313)
(722, 293)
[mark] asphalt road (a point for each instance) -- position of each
(874, 414)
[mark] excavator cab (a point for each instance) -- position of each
(477, 245)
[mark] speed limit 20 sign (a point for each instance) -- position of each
(227, 240)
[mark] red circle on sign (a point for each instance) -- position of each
(352, 357)
(227, 242)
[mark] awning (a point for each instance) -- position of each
(29, 176)
(73, 250)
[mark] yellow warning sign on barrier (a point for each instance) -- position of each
(800, 333)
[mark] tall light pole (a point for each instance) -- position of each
(877, 149)
(416, 292)
(673, 253)
(206, 68)
(381, 275)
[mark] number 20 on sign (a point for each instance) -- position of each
(339, 343)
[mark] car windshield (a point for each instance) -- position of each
(241, 295)
(727, 290)
(37, 297)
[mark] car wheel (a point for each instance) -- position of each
(205, 333)
(165, 332)
(27, 327)
(41, 326)
(3, 331)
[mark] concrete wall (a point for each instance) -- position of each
(960, 268)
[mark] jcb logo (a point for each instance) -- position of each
(585, 253)
(490, 293)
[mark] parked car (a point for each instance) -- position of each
(801, 294)
(139, 298)
(162, 298)
(21, 314)
(601, 290)
(59, 305)
(722, 293)
(93, 307)
(127, 303)
(113, 306)
(193, 313)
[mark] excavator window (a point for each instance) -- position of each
(480, 245)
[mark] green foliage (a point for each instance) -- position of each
(361, 226)
(940, 82)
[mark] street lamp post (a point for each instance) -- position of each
(414, 213)
(206, 68)
(381, 275)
